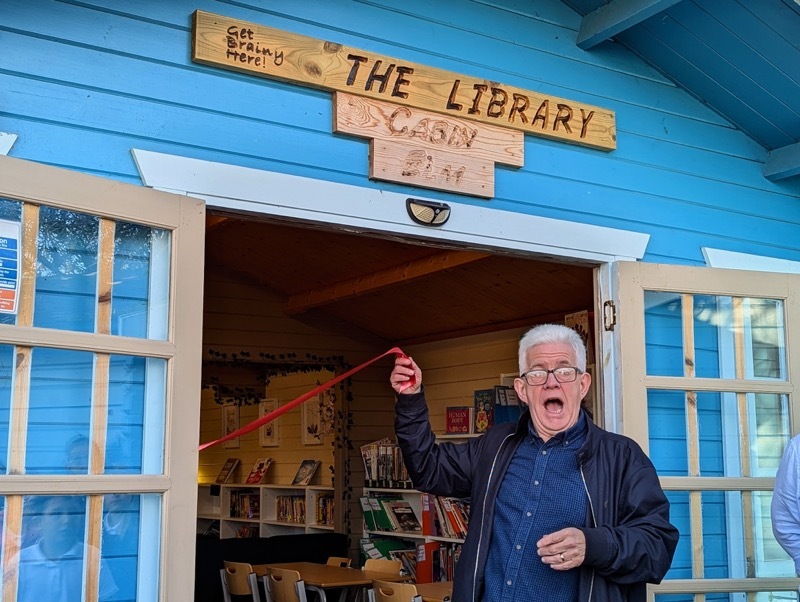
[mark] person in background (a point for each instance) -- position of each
(561, 510)
(786, 502)
(52, 568)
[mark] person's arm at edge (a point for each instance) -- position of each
(786, 503)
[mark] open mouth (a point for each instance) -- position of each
(554, 405)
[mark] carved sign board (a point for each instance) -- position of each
(257, 50)
(368, 118)
(426, 149)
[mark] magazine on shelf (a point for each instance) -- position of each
(402, 515)
(226, 472)
(259, 471)
(306, 472)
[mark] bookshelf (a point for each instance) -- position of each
(436, 550)
(265, 510)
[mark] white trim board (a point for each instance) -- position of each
(6, 142)
(362, 209)
(718, 258)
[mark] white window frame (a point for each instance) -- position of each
(38, 184)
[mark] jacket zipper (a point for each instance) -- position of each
(483, 514)
(594, 524)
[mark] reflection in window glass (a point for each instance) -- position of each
(663, 334)
(767, 357)
(728, 527)
(120, 544)
(6, 376)
(666, 422)
(54, 550)
(720, 429)
(135, 384)
(10, 211)
(776, 596)
(140, 294)
(712, 318)
(66, 270)
(60, 411)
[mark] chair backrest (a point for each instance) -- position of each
(338, 561)
(285, 586)
(383, 565)
(386, 591)
(238, 579)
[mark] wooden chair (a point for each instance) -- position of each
(386, 591)
(283, 585)
(338, 561)
(383, 565)
(238, 579)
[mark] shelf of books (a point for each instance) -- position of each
(423, 531)
(256, 509)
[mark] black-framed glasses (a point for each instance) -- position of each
(563, 374)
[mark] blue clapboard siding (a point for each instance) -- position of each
(680, 173)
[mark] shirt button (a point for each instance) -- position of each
(536, 483)
(544, 452)
(519, 547)
(527, 514)
(508, 582)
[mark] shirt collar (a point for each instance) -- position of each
(576, 431)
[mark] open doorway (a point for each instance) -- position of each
(276, 290)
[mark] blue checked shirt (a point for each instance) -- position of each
(541, 492)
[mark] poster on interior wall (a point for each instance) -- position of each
(310, 424)
(230, 423)
(268, 434)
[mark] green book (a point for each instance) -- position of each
(366, 509)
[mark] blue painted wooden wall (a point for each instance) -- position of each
(82, 83)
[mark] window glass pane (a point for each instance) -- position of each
(54, 551)
(720, 431)
(12, 211)
(762, 337)
(736, 536)
(6, 376)
(663, 334)
(124, 516)
(135, 436)
(66, 270)
(666, 412)
(140, 294)
(775, 596)
(60, 411)
(711, 314)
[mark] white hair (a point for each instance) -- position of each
(552, 333)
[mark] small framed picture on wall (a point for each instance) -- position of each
(268, 433)
(230, 423)
(310, 427)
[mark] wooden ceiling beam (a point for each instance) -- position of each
(615, 17)
(368, 283)
(783, 163)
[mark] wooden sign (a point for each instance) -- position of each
(426, 149)
(263, 51)
(411, 164)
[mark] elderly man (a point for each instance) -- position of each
(561, 509)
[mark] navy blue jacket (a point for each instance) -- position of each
(629, 539)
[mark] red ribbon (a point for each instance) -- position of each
(251, 426)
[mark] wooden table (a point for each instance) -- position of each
(322, 576)
(439, 591)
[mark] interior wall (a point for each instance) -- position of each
(240, 315)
